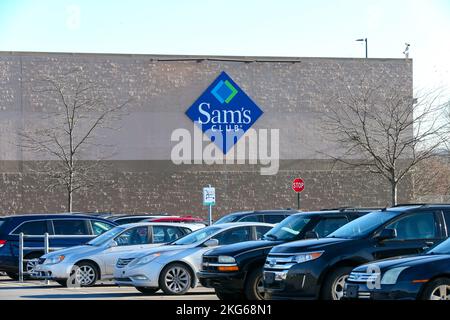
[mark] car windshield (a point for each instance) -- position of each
(197, 236)
(288, 229)
(107, 236)
(364, 225)
(226, 219)
(442, 248)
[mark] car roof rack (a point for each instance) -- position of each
(420, 204)
(342, 209)
(408, 205)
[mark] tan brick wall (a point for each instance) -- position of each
(142, 178)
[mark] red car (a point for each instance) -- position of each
(184, 219)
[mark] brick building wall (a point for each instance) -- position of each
(292, 92)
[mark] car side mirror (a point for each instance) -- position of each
(387, 234)
(312, 235)
(112, 244)
(211, 243)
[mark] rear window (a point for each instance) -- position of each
(227, 219)
(70, 227)
(129, 220)
(261, 230)
(100, 227)
(34, 228)
(252, 218)
(274, 218)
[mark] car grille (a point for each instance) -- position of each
(123, 279)
(122, 263)
(363, 277)
(276, 262)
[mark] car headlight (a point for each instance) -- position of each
(226, 259)
(148, 258)
(391, 276)
(54, 260)
(307, 256)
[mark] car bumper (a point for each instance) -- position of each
(9, 264)
(231, 281)
(297, 283)
(142, 276)
(400, 291)
(52, 271)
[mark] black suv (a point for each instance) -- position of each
(312, 269)
(267, 216)
(248, 258)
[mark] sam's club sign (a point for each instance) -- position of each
(224, 107)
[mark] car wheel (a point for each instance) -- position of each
(254, 288)
(438, 289)
(333, 287)
(30, 265)
(175, 279)
(84, 274)
(228, 296)
(147, 290)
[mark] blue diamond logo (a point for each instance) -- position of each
(224, 112)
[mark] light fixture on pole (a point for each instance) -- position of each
(406, 52)
(365, 40)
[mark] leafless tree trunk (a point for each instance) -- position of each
(77, 112)
(386, 131)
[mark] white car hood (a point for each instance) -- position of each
(163, 249)
(83, 249)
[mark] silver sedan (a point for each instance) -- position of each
(173, 268)
(84, 265)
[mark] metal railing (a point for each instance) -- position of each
(46, 248)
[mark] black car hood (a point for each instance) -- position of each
(238, 248)
(307, 245)
(409, 261)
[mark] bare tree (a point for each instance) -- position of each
(76, 112)
(432, 177)
(386, 131)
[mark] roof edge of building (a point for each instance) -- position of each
(199, 58)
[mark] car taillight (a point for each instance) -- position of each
(2, 243)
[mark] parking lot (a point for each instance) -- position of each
(37, 290)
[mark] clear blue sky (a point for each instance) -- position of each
(324, 28)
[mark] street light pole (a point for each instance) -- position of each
(365, 40)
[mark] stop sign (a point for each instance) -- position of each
(298, 185)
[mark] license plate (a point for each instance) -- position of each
(351, 291)
(269, 277)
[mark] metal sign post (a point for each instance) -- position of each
(209, 199)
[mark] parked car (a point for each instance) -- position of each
(424, 277)
(184, 219)
(248, 257)
(173, 267)
(96, 259)
(267, 216)
(68, 230)
(318, 268)
(124, 219)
